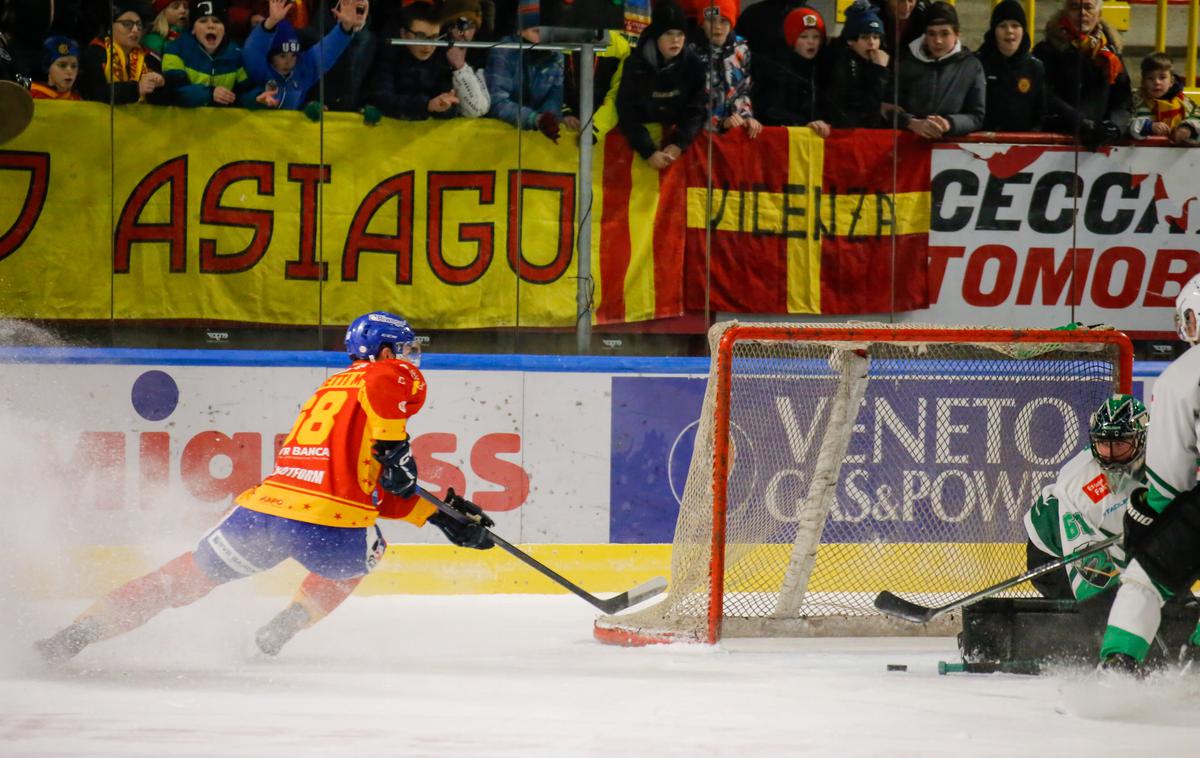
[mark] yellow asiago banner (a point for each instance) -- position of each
(142, 212)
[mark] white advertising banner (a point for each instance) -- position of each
(1020, 234)
(163, 448)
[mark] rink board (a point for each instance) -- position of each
(134, 454)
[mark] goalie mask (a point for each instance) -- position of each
(368, 334)
(1118, 435)
(1187, 302)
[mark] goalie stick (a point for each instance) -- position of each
(900, 608)
(616, 604)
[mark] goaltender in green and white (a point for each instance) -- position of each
(1086, 503)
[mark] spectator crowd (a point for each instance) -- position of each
(698, 64)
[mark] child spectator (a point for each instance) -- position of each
(461, 21)
(726, 60)
(117, 66)
(942, 89)
(1160, 108)
(788, 92)
(1088, 91)
(414, 82)
(61, 59)
(526, 85)
(205, 67)
(170, 22)
(274, 62)
(663, 83)
(859, 77)
(1016, 81)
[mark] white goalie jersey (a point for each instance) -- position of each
(1082, 505)
(1171, 449)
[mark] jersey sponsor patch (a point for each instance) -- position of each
(1097, 489)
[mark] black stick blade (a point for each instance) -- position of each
(886, 602)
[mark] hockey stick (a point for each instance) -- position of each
(643, 591)
(888, 603)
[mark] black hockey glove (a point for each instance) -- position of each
(399, 475)
(1139, 517)
(472, 533)
(1100, 134)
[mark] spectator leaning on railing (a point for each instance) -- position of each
(663, 83)
(1088, 89)
(117, 65)
(205, 67)
(1160, 109)
(275, 64)
(1016, 81)
(414, 82)
(526, 85)
(789, 92)
(942, 89)
(859, 79)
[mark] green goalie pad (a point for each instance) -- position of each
(1030, 635)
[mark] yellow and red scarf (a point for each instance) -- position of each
(1169, 112)
(46, 92)
(1095, 46)
(120, 66)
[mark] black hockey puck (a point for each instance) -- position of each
(897, 667)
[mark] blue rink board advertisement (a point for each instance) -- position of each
(948, 436)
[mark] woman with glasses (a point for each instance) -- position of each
(117, 68)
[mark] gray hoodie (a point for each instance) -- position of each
(952, 87)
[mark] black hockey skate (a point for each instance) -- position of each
(275, 634)
(68, 642)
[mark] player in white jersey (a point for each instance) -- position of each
(1162, 522)
(1087, 502)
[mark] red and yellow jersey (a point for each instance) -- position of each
(324, 472)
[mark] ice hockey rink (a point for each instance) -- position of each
(520, 675)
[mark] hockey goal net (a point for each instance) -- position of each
(832, 463)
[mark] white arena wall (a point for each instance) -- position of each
(126, 457)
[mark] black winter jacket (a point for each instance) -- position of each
(1016, 88)
(1078, 90)
(654, 92)
(789, 92)
(857, 87)
(402, 86)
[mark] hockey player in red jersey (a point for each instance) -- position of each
(345, 462)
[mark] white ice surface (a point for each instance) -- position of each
(521, 676)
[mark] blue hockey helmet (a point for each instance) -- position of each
(368, 334)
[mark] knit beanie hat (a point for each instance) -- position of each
(161, 5)
(201, 8)
(861, 18)
(800, 20)
(730, 9)
(1009, 10)
(941, 13)
(529, 14)
(471, 10)
(58, 47)
(666, 15)
(285, 40)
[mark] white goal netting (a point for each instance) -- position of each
(836, 462)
